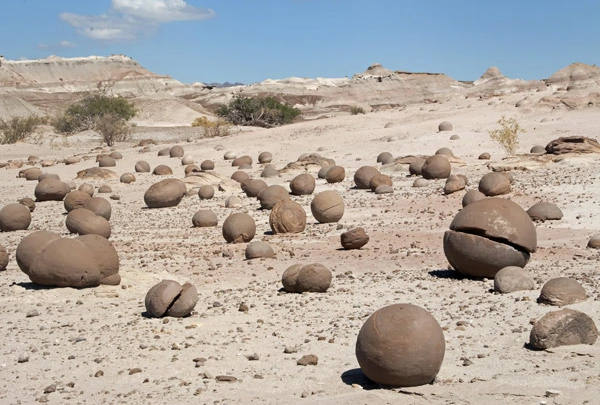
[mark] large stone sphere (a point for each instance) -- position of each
(14, 217)
(84, 222)
(106, 256)
(87, 188)
(401, 345)
(327, 206)
(312, 277)
(272, 195)
(253, 187)
(380, 179)
(562, 291)
(65, 262)
(165, 193)
(242, 161)
(363, 175)
(335, 174)
(142, 167)
(471, 196)
(127, 178)
(206, 192)
(106, 161)
(436, 167)
(355, 238)
(445, 126)
(30, 246)
(488, 235)
(162, 170)
(239, 227)
(176, 151)
(100, 206)
(287, 216)
(494, 183)
(169, 298)
(265, 157)
(385, 158)
(207, 165)
(269, 171)
(75, 199)
(3, 258)
(303, 184)
(51, 189)
(240, 176)
(259, 249)
(204, 218)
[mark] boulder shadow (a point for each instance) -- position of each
(445, 273)
(28, 285)
(356, 376)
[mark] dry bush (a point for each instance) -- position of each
(112, 128)
(355, 110)
(216, 128)
(18, 128)
(508, 134)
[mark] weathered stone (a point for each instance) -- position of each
(511, 279)
(354, 238)
(563, 328)
(562, 291)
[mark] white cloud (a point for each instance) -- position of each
(128, 20)
(61, 44)
(67, 44)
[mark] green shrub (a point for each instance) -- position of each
(258, 111)
(213, 128)
(508, 134)
(112, 128)
(84, 114)
(18, 128)
(355, 110)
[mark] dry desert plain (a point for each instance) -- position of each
(94, 345)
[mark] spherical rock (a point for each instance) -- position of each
(420, 182)
(327, 206)
(45, 176)
(105, 255)
(169, 298)
(30, 246)
(272, 195)
(257, 249)
(265, 157)
(206, 192)
(83, 222)
(104, 189)
(165, 193)
(379, 180)
(253, 187)
(239, 227)
(471, 196)
(306, 278)
(106, 161)
(454, 137)
(99, 206)
(65, 262)
(287, 216)
(401, 345)
(384, 189)
(14, 217)
(484, 156)
(176, 151)
(563, 328)
(229, 155)
(116, 155)
(207, 165)
(242, 161)
(191, 169)
(453, 184)
(444, 151)
(538, 149)
(416, 166)
(544, 211)
(142, 167)
(335, 174)
(511, 279)
(269, 171)
(28, 202)
(240, 176)
(127, 178)
(204, 219)
(51, 189)
(31, 173)
(3, 258)
(162, 170)
(187, 160)
(75, 199)
(363, 176)
(87, 188)
(494, 183)
(436, 167)
(233, 201)
(385, 158)
(562, 291)
(354, 238)
(488, 235)
(445, 126)
(303, 184)
(322, 174)
(594, 241)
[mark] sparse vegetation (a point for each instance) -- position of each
(88, 112)
(264, 112)
(355, 110)
(213, 128)
(112, 128)
(508, 134)
(18, 128)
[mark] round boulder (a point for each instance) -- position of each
(204, 219)
(444, 151)
(544, 211)
(335, 174)
(327, 206)
(100, 206)
(401, 345)
(187, 160)
(3, 258)
(363, 176)
(240, 176)
(162, 170)
(416, 166)
(257, 249)
(84, 222)
(253, 187)
(176, 151)
(488, 235)
(322, 173)
(165, 193)
(563, 328)
(380, 180)
(30, 246)
(206, 192)
(207, 165)
(309, 278)
(484, 156)
(287, 216)
(127, 178)
(562, 291)
(272, 195)
(229, 155)
(104, 189)
(303, 184)
(471, 196)
(169, 298)
(14, 217)
(355, 238)
(28, 202)
(239, 227)
(106, 161)
(445, 126)
(105, 255)
(142, 167)
(242, 161)
(269, 171)
(511, 279)
(75, 199)
(87, 188)
(594, 241)
(436, 167)
(453, 184)
(385, 158)
(265, 157)
(494, 183)
(51, 189)
(538, 149)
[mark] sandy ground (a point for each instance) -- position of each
(95, 346)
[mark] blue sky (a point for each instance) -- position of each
(252, 40)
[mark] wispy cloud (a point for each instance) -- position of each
(59, 45)
(128, 20)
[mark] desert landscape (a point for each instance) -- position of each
(247, 339)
